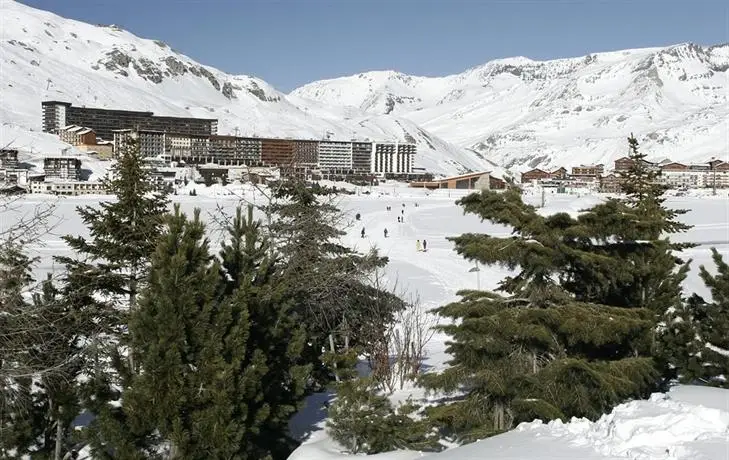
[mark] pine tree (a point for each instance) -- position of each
(531, 349)
(628, 259)
(714, 328)
(326, 277)
(696, 339)
(17, 362)
(104, 282)
(168, 333)
(55, 398)
(364, 421)
(219, 351)
(266, 350)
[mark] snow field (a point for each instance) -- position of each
(687, 423)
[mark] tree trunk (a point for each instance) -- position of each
(132, 309)
(59, 436)
(332, 350)
(499, 416)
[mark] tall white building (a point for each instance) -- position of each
(393, 158)
(335, 155)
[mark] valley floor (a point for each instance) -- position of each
(688, 423)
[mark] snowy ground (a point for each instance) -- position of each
(689, 423)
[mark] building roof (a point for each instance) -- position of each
(462, 176)
(77, 129)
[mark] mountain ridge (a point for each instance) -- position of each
(47, 57)
(525, 113)
(516, 112)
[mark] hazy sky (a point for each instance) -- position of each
(292, 42)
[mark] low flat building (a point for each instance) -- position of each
(68, 188)
(534, 175)
(471, 181)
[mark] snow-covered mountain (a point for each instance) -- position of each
(514, 112)
(523, 113)
(44, 56)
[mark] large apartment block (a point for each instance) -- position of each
(335, 155)
(362, 157)
(150, 143)
(306, 153)
(277, 152)
(57, 115)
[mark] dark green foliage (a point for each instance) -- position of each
(365, 422)
(39, 353)
(696, 339)
(631, 262)
(218, 347)
(328, 280)
(714, 329)
(123, 233)
(103, 282)
(17, 361)
(540, 347)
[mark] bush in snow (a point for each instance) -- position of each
(364, 421)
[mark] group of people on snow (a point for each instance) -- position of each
(420, 247)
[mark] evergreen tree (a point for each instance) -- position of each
(364, 421)
(531, 349)
(104, 282)
(696, 339)
(17, 361)
(265, 351)
(168, 333)
(328, 279)
(714, 328)
(220, 352)
(627, 258)
(55, 393)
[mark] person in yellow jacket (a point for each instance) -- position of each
(418, 246)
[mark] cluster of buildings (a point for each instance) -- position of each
(61, 175)
(195, 142)
(712, 174)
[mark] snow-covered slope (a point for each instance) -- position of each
(44, 56)
(689, 422)
(523, 113)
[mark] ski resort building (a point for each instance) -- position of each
(473, 181)
(62, 168)
(57, 115)
(335, 156)
(8, 158)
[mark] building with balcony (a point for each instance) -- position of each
(306, 153)
(68, 188)
(151, 144)
(77, 135)
(534, 175)
(362, 156)
(62, 168)
(57, 115)
(277, 152)
(335, 156)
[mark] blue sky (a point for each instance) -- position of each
(292, 42)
